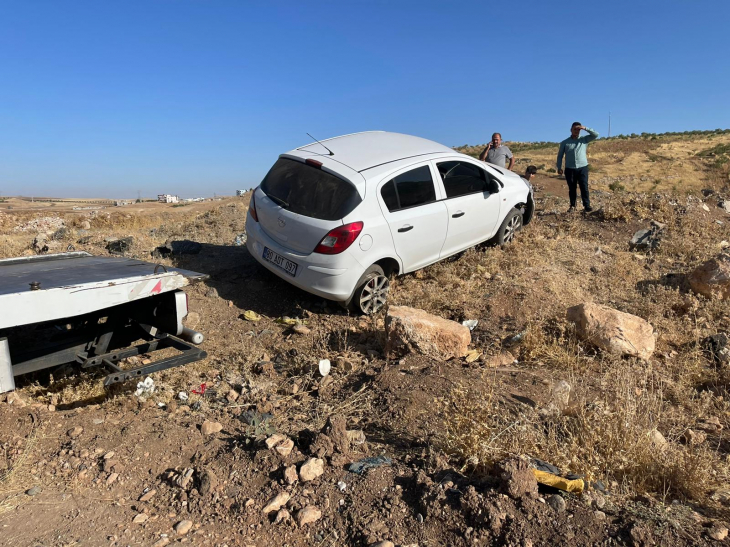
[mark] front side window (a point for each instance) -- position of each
(410, 189)
(462, 178)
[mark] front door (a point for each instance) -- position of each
(472, 204)
(417, 221)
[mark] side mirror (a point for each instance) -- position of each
(492, 186)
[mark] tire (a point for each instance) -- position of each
(371, 293)
(511, 224)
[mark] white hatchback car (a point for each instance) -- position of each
(338, 217)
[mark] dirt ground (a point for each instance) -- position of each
(80, 465)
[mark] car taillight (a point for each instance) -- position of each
(339, 239)
(252, 208)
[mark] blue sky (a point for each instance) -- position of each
(108, 99)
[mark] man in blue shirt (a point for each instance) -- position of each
(576, 164)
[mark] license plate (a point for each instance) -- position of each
(279, 261)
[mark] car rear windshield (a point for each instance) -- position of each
(309, 191)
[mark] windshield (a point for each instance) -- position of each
(309, 191)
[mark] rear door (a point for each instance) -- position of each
(417, 219)
(298, 203)
(471, 202)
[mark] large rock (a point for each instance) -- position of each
(614, 331)
(713, 277)
(414, 330)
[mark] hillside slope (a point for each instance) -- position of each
(650, 163)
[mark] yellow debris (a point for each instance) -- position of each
(575, 486)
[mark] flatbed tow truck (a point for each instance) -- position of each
(93, 311)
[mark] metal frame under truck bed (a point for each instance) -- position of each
(91, 311)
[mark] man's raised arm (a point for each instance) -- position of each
(591, 136)
(483, 155)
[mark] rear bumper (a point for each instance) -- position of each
(330, 276)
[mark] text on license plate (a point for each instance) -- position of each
(277, 260)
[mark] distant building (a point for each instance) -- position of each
(122, 202)
(167, 198)
(239, 193)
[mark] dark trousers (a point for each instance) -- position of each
(576, 178)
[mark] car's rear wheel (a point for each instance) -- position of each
(509, 228)
(371, 293)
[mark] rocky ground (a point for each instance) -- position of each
(427, 440)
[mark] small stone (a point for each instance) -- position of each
(557, 502)
(75, 432)
(183, 527)
(232, 396)
(161, 542)
(285, 447)
(208, 482)
(111, 478)
(384, 543)
(282, 516)
(276, 503)
(148, 495)
(301, 329)
(290, 474)
(109, 455)
(694, 437)
(723, 496)
(14, 399)
(273, 440)
(599, 502)
(140, 518)
(311, 469)
(657, 440)
(600, 515)
(501, 360)
(209, 428)
(718, 532)
(34, 491)
(308, 514)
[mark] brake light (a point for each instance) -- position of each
(252, 207)
(339, 239)
(313, 163)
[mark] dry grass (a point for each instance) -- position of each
(15, 478)
(605, 431)
(615, 403)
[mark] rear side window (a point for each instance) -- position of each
(410, 189)
(462, 178)
(309, 191)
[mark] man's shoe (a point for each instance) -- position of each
(588, 209)
(571, 209)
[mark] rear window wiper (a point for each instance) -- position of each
(279, 201)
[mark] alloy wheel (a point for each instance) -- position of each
(374, 294)
(511, 229)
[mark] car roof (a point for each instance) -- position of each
(361, 151)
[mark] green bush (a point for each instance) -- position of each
(616, 186)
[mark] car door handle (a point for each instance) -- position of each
(405, 228)
(458, 214)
